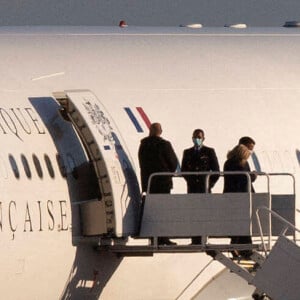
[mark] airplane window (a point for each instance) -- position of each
(14, 166)
(61, 166)
(256, 162)
(26, 166)
(49, 166)
(37, 165)
(298, 155)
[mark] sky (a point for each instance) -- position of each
(148, 12)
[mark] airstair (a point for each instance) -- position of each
(274, 264)
(276, 273)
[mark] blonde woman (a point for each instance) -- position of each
(237, 161)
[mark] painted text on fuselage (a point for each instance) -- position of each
(19, 121)
(33, 216)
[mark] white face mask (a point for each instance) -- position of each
(197, 142)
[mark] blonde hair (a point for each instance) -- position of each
(239, 153)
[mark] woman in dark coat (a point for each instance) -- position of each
(237, 161)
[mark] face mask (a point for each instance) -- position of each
(197, 142)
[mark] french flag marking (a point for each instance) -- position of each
(142, 116)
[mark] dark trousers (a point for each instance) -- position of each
(193, 189)
(161, 188)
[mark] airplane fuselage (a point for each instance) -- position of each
(231, 83)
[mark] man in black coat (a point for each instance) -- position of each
(157, 155)
(199, 158)
(250, 144)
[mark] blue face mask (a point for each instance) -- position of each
(197, 142)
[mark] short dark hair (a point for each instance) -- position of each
(197, 131)
(155, 129)
(245, 140)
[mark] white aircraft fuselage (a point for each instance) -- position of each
(229, 82)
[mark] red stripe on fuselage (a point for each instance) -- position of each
(144, 116)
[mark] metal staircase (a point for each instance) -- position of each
(276, 274)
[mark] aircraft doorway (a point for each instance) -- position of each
(116, 213)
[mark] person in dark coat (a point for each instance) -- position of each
(249, 143)
(237, 161)
(157, 155)
(199, 158)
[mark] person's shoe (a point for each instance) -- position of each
(196, 241)
(166, 241)
(256, 267)
(246, 254)
(211, 253)
(235, 255)
(170, 243)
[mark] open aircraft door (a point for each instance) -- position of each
(116, 213)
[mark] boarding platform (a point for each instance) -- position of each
(274, 264)
(216, 214)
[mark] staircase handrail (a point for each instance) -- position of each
(280, 218)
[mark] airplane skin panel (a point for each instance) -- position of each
(230, 83)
